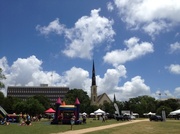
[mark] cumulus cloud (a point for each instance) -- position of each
(111, 79)
(151, 15)
(29, 72)
(110, 6)
(88, 33)
(175, 47)
(134, 50)
(77, 78)
(174, 68)
(130, 89)
(53, 27)
(177, 92)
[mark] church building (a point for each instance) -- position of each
(95, 98)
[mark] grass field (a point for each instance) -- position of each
(168, 127)
(44, 127)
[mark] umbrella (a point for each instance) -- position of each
(50, 110)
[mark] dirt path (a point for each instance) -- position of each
(86, 130)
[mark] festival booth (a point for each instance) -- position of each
(176, 112)
(98, 113)
(64, 112)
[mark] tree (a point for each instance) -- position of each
(9, 103)
(1, 98)
(81, 95)
(2, 76)
(169, 105)
(43, 100)
(20, 107)
(108, 107)
(142, 104)
(167, 110)
(33, 107)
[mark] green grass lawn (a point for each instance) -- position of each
(44, 127)
(168, 127)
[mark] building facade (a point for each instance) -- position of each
(51, 92)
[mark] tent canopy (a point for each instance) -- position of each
(175, 112)
(50, 110)
(150, 113)
(84, 113)
(99, 111)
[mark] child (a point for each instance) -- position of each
(72, 121)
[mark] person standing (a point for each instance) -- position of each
(103, 118)
(84, 118)
(72, 121)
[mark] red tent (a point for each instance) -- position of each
(50, 110)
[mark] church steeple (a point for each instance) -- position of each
(93, 87)
(93, 75)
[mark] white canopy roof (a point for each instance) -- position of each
(175, 112)
(92, 114)
(99, 111)
(150, 113)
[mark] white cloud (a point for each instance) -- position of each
(134, 50)
(151, 15)
(29, 72)
(177, 92)
(110, 6)
(175, 47)
(88, 33)
(4, 64)
(53, 27)
(111, 79)
(77, 78)
(130, 89)
(174, 68)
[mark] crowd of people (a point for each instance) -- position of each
(23, 119)
(5, 121)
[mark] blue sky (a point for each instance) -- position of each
(135, 45)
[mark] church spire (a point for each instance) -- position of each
(93, 87)
(93, 75)
(114, 98)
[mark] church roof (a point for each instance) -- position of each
(101, 96)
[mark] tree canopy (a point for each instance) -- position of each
(81, 95)
(2, 77)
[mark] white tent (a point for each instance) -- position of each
(84, 113)
(99, 112)
(92, 114)
(175, 112)
(150, 113)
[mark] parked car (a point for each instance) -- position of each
(132, 117)
(123, 118)
(155, 118)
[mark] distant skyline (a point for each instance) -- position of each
(135, 45)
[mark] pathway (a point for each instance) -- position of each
(86, 130)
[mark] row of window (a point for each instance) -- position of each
(36, 91)
(25, 95)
